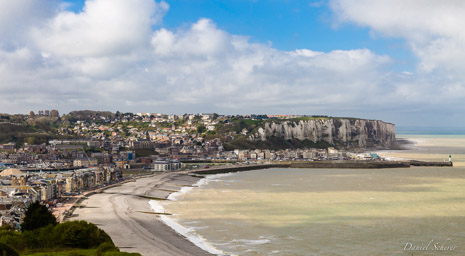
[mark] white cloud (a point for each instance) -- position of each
(206, 64)
(202, 39)
(434, 32)
(109, 57)
(18, 17)
(105, 27)
(433, 29)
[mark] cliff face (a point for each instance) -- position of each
(349, 133)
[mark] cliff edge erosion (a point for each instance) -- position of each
(339, 132)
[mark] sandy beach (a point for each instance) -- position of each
(125, 214)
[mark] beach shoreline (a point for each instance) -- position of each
(124, 211)
(125, 214)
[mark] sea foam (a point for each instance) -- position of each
(189, 233)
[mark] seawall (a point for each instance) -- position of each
(323, 164)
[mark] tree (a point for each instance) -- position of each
(7, 250)
(201, 129)
(30, 140)
(37, 216)
(80, 234)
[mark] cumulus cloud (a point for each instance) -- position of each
(210, 65)
(115, 55)
(108, 56)
(105, 27)
(433, 29)
(19, 16)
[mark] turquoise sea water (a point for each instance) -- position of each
(330, 211)
(429, 131)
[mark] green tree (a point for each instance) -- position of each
(37, 216)
(201, 129)
(105, 247)
(7, 250)
(80, 234)
(30, 140)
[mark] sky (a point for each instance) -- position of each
(394, 60)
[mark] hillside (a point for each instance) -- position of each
(87, 115)
(21, 129)
(316, 132)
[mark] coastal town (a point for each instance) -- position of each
(96, 149)
(200, 128)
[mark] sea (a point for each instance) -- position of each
(400, 211)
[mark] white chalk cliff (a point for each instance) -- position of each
(345, 132)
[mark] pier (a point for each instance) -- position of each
(323, 164)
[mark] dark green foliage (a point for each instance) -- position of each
(201, 129)
(115, 253)
(37, 216)
(75, 253)
(33, 131)
(249, 124)
(60, 237)
(105, 247)
(6, 250)
(88, 115)
(14, 133)
(80, 234)
(80, 252)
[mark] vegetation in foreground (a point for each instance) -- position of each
(41, 235)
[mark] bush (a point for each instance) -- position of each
(105, 247)
(60, 239)
(80, 234)
(37, 216)
(6, 250)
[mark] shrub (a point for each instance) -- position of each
(105, 247)
(6, 250)
(37, 216)
(80, 234)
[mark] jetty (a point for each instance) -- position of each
(322, 164)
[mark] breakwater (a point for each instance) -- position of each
(239, 168)
(422, 163)
(323, 164)
(350, 164)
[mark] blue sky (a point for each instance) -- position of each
(398, 61)
(286, 25)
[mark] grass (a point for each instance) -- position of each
(79, 252)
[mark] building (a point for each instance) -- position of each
(85, 162)
(162, 166)
(8, 146)
(141, 144)
(54, 113)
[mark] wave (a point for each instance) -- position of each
(200, 183)
(252, 242)
(188, 233)
(174, 196)
(217, 178)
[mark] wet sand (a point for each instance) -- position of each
(124, 213)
